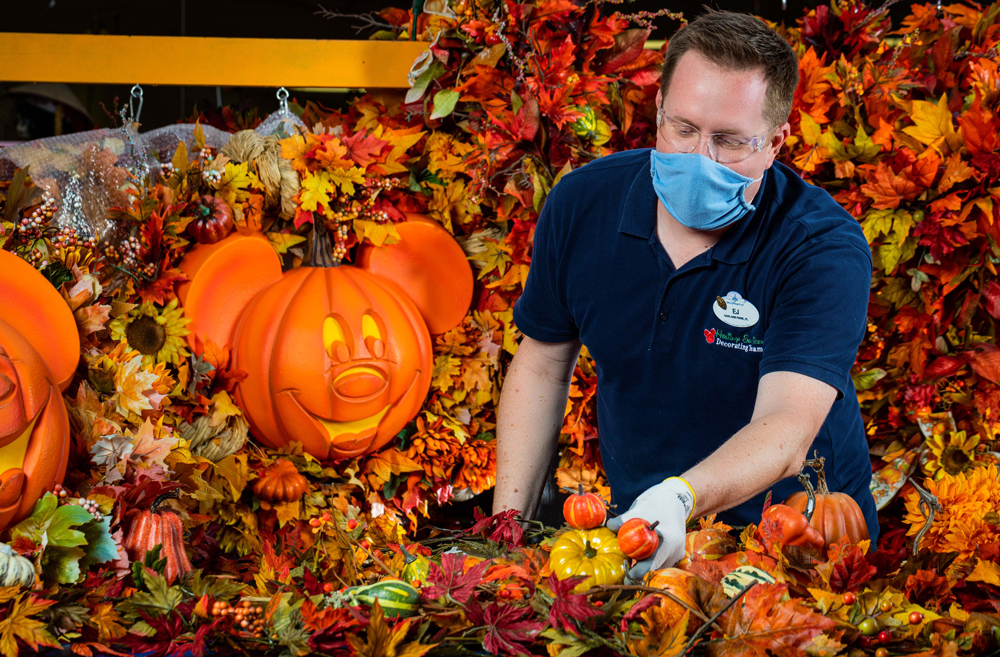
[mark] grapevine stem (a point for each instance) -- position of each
(928, 506)
(651, 589)
(715, 617)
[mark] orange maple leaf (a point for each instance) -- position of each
(887, 188)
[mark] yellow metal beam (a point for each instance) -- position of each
(205, 61)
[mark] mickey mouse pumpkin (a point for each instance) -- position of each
(39, 350)
(337, 357)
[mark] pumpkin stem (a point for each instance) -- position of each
(816, 463)
(810, 494)
(408, 558)
(653, 526)
(579, 490)
(321, 254)
(172, 494)
(589, 552)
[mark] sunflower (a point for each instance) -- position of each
(951, 457)
(157, 334)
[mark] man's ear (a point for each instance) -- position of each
(776, 142)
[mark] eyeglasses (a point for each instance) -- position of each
(723, 148)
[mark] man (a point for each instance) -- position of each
(722, 299)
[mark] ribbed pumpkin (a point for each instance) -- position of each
(336, 358)
(34, 426)
(710, 543)
(584, 510)
(835, 514)
(213, 220)
(15, 570)
(281, 482)
(153, 527)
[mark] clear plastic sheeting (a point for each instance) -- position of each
(88, 173)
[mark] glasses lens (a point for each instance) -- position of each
(721, 148)
(726, 151)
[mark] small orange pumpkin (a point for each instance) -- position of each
(212, 222)
(336, 358)
(710, 543)
(153, 527)
(833, 515)
(281, 482)
(584, 510)
(675, 581)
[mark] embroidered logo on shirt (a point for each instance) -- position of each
(734, 310)
(742, 342)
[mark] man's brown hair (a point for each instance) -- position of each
(740, 42)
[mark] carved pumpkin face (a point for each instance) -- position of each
(336, 358)
(34, 427)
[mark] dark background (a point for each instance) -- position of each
(25, 115)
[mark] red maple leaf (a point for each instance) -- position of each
(764, 624)
(449, 580)
(502, 526)
(364, 149)
(568, 606)
(167, 639)
(506, 627)
(847, 566)
(161, 289)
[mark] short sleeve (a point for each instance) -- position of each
(820, 312)
(541, 312)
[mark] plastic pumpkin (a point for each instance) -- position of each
(153, 527)
(593, 553)
(336, 358)
(281, 482)
(34, 427)
(833, 515)
(584, 510)
(674, 581)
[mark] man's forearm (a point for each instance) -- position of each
(529, 417)
(765, 451)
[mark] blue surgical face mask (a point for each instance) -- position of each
(698, 191)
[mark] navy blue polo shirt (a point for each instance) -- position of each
(679, 352)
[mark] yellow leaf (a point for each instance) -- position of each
(810, 129)
(445, 367)
(822, 645)
(131, 381)
(180, 159)
(281, 242)
(495, 255)
(199, 136)
(985, 571)
(287, 512)
(661, 639)
(107, 621)
(376, 233)
(234, 470)
(932, 124)
(236, 180)
(316, 191)
(345, 179)
(19, 624)
(401, 141)
(827, 601)
(956, 612)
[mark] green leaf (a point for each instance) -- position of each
(219, 588)
(52, 525)
(61, 565)
(444, 103)
(515, 102)
(866, 380)
(877, 223)
(162, 598)
(432, 73)
(864, 148)
(101, 548)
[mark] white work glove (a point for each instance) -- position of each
(670, 503)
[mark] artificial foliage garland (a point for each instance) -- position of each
(900, 126)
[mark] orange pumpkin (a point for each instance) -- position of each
(675, 581)
(430, 266)
(710, 543)
(153, 527)
(281, 482)
(584, 510)
(336, 358)
(33, 308)
(34, 428)
(835, 514)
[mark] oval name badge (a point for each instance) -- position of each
(735, 310)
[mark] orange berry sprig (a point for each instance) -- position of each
(245, 616)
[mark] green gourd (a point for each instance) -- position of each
(15, 570)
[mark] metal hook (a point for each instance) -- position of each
(784, 5)
(283, 100)
(133, 114)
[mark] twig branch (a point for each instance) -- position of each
(652, 589)
(715, 617)
(377, 561)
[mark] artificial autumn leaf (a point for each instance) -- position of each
(91, 319)
(932, 125)
(152, 443)
(131, 383)
(887, 188)
(568, 606)
(233, 187)
(107, 621)
(507, 627)
(19, 625)
(449, 580)
(316, 191)
(846, 568)
(345, 179)
(763, 624)
(985, 361)
(363, 148)
(662, 638)
(383, 641)
(503, 527)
